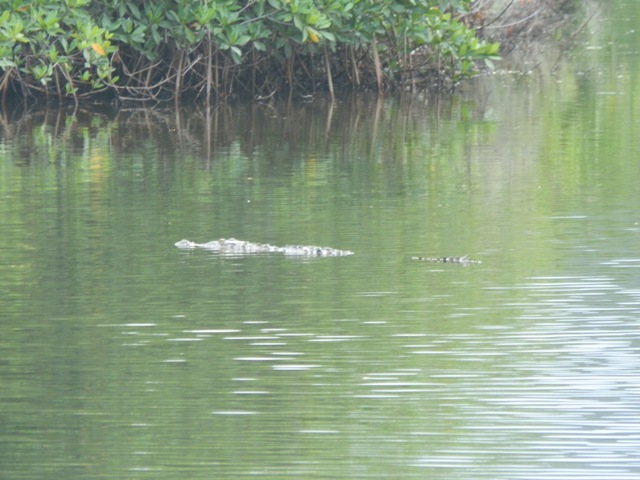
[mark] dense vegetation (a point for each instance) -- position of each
(215, 48)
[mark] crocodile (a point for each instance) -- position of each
(466, 261)
(238, 247)
(233, 246)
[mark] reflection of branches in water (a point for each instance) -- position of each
(42, 135)
(279, 133)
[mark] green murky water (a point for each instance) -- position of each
(124, 357)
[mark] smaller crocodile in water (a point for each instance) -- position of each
(466, 261)
(241, 247)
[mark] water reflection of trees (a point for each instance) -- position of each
(206, 133)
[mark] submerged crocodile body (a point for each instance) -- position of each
(466, 261)
(238, 247)
(233, 246)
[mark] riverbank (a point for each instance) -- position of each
(218, 50)
(382, 47)
(414, 48)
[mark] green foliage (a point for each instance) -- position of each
(419, 37)
(53, 48)
(163, 48)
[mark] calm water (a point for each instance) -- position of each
(124, 357)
